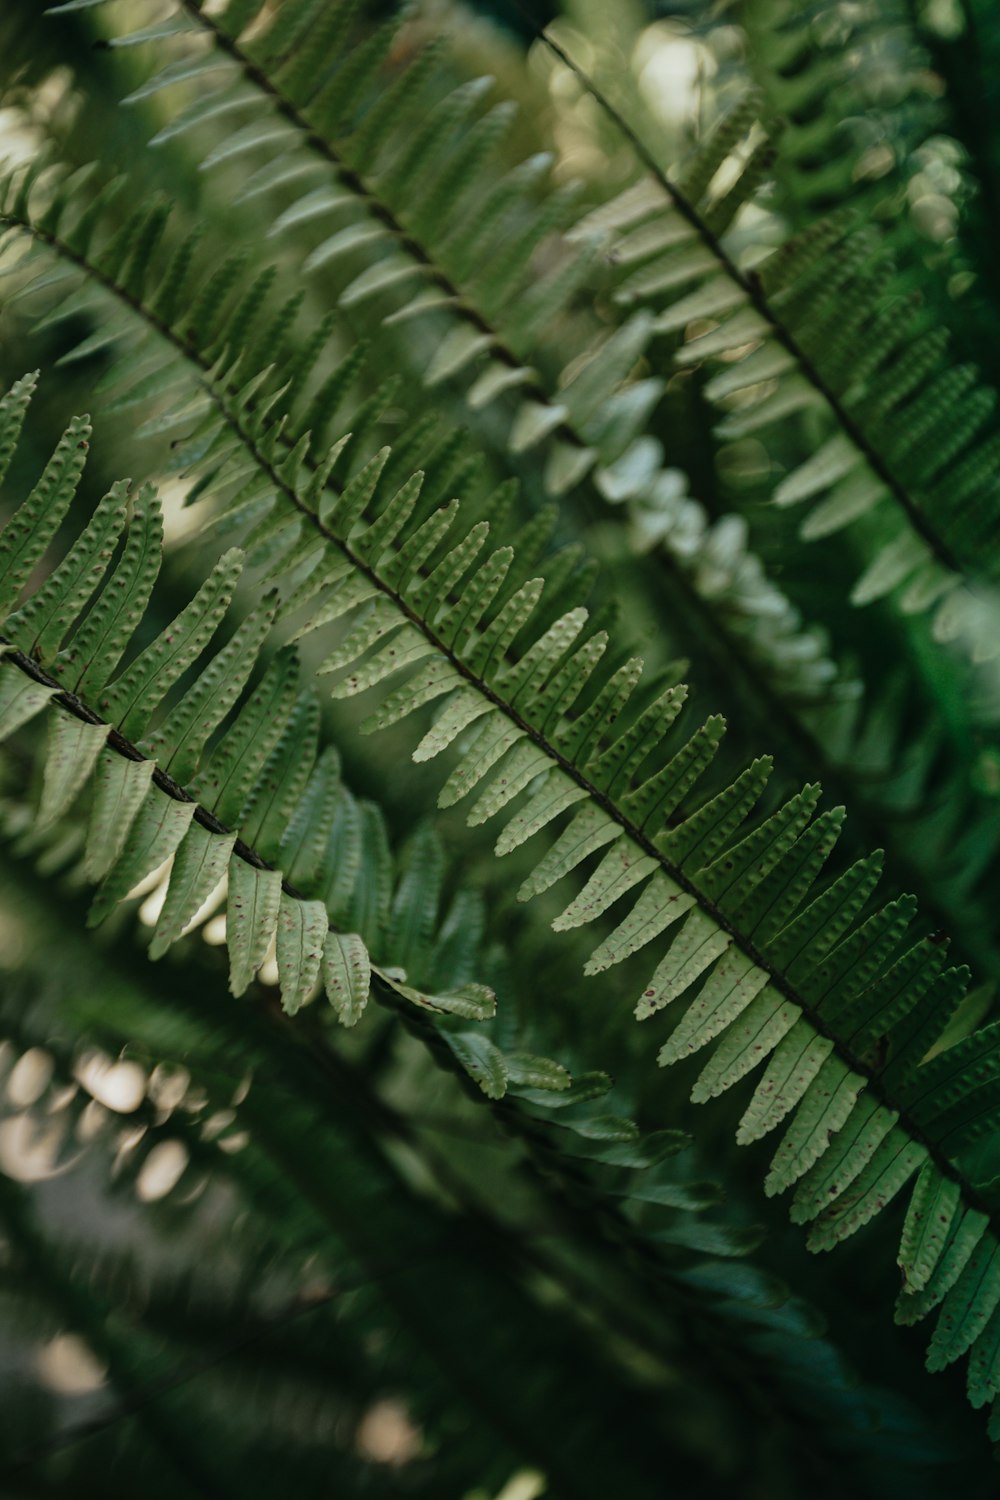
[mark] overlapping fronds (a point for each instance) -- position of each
(867, 124)
(898, 415)
(328, 1223)
(621, 1199)
(261, 807)
(810, 329)
(591, 420)
(847, 1011)
(549, 726)
(335, 158)
(854, 92)
(372, 152)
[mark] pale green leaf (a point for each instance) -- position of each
(969, 1305)
(457, 349)
(120, 789)
(826, 1108)
(199, 865)
(660, 904)
(459, 712)
(895, 1161)
(21, 698)
(522, 763)
(131, 699)
(89, 658)
(155, 832)
(698, 944)
(587, 831)
(791, 1069)
(492, 741)
(300, 949)
(749, 1039)
(436, 678)
(966, 1230)
(70, 757)
(526, 1070)
(42, 622)
(621, 868)
(483, 1061)
(251, 919)
(346, 975)
(851, 1149)
(934, 1203)
(732, 985)
(28, 533)
(407, 647)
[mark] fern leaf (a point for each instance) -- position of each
(97, 646)
(25, 539)
(929, 1218)
(155, 833)
(483, 628)
(484, 1063)
(792, 1067)
(131, 699)
(826, 1108)
(70, 759)
(302, 931)
(251, 920)
(849, 1152)
(968, 1306)
(661, 904)
(730, 988)
(20, 700)
(757, 1031)
(894, 1162)
(120, 790)
(346, 975)
(199, 865)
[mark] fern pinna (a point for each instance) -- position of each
(381, 177)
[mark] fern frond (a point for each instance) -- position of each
(388, 179)
(343, 1208)
(897, 415)
(635, 1207)
(745, 898)
(741, 898)
(854, 95)
(594, 423)
(158, 795)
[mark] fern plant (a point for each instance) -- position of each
(418, 441)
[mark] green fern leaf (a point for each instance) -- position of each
(251, 919)
(302, 932)
(157, 829)
(346, 976)
(199, 864)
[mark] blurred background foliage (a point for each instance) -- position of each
(241, 1257)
